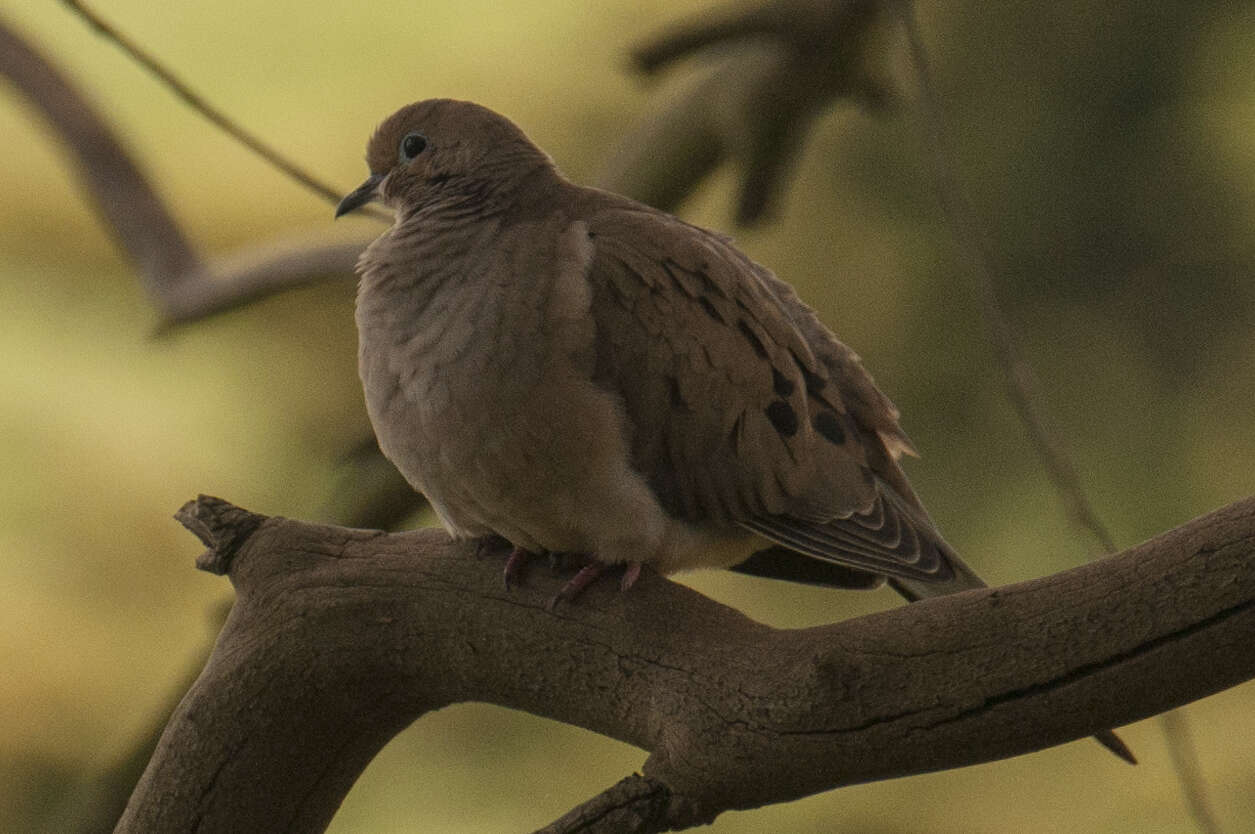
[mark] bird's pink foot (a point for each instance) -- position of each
(630, 574)
(586, 576)
(516, 566)
(589, 574)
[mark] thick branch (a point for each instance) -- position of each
(340, 638)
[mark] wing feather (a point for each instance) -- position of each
(744, 408)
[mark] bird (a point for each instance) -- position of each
(573, 371)
(565, 370)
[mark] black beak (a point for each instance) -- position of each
(360, 196)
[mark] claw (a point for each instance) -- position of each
(589, 574)
(516, 566)
(586, 576)
(630, 574)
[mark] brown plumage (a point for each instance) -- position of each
(577, 372)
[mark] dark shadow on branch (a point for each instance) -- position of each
(340, 638)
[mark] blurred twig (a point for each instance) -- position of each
(769, 71)
(1180, 740)
(254, 273)
(1022, 387)
(198, 103)
(182, 286)
(971, 237)
(127, 203)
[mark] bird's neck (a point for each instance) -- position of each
(480, 193)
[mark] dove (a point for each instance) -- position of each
(575, 372)
(567, 371)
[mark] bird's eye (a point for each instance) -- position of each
(412, 145)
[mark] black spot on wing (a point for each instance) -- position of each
(710, 309)
(673, 392)
(692, 283)
(827, 424)
(814, 382)
(669, 266)
(781, 384)
(734, 435)
(818, 388)
(709, 286)
(783, 417)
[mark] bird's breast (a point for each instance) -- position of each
(464, 361)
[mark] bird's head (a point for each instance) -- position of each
(443, 149)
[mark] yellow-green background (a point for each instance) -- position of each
(1109, 145)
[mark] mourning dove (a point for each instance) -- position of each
(575, 372)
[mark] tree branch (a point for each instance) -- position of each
(340, 638)
(126, 202)
(182, 286)
(767, 72)
(198, 103)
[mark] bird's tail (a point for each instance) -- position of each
(963, 578)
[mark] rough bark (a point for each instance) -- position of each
(340, 638)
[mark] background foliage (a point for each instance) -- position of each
(1107, 144)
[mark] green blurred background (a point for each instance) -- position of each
(1111, 147)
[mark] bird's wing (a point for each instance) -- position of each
(744, 408)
